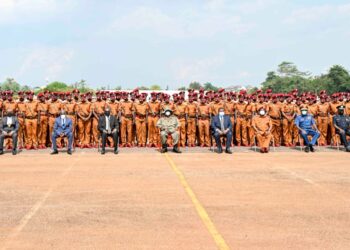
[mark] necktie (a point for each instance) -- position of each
(222, 123)
(108, 125)
(63, 122)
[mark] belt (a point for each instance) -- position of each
(203, 118)
(275, 118)
(127, 116)
(241, 116)
(155, 115)
(141, 116)
(53, 115)
(192, 116)
(71, 114)
(31, 117)
(20, 115)
(323, 115)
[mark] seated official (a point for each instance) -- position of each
(262, 125)
(342, 126)
(221, 126)
(62, 128)
(168, 125)
(108, 125)
(307, 126)
(9, 128)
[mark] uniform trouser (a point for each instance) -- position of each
(182, 130)
(203, 127)
(55, 136)
(323, 128)
(228, 136)
(31, 131)
(333, 133)
(241, 131)
(114, 137)
(250, 131)
(343, 137)
(264, 140)
(95, 132)
(164, 137)
(153, 131)
(276, 130)
(21, 132)
(287, 131)
(315, 135)
(141, 130)
(42, 127)
(126, 130)
(191, 131)
(84, 130)
(14, 141)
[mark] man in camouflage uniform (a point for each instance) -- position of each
(168, 124)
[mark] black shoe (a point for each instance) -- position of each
(347, 149)
(55, 152)
(69, 151)
(164, 149)
(103, 152)
(1, 152)
(307, 149)
(116, 151)
(228, 151)
(176, 150)
(312, 148)
(219, 150)
(14, 152)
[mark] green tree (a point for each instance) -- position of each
(155, 87)
(209, 86)
(183, 88)
(339, 79)
(143, 88)
(57, 87)
(10, 84)
(195, 85)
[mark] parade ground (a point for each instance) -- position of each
(141, 199)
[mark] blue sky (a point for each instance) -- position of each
(132, 43)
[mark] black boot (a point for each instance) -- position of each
(116, 151)
(164, 149)
(176, 149)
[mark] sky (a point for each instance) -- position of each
(169, 43)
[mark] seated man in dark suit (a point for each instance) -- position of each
(108, 125)
(8, 128)
(63, 127)
(221, 126)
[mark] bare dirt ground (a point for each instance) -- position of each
(139, 200)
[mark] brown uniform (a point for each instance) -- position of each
(43, 108)
(215, 106)
(127, 110)
(347, 108)
(54, 111)
(21, 108)
(204, 111)
(323, 121)
(180, 113)
(84, 125)
(153, 117)
(333, 111)
(288, 122)
(70, 108)
(141, 111)
(7, 105)
(98, 109)
(31, 122)
(263, 124)
(191, 111)
(241, 124)
(275, 115)
(250, 110)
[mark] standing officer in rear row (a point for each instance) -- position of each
(342, 126)
(168, 124)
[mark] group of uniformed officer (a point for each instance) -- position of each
(138, 116)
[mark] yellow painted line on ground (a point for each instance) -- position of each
(202, 213)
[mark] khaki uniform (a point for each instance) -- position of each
(168, 125)
(141, 111)
(263, 123)
(31, 122)
(191, 111)
(333, 111)
(126, 109)
(153, 116)
(43, 108)
(275, 116)
(241, 124)
(98, 108)
(288, 123)
(323, 121)
(250, 110)
(84, 127)
(180, 113)
(21, 108)
(54, 111)
(204, 111)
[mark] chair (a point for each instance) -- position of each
(65, 140)
(337, 144)
(301, 143)
(99, 141)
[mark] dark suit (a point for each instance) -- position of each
(113, 125)
(13, 127)
(59, 128)
(216, 125)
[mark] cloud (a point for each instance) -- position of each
(49, 62)
(196, 69)
(30, 10)
(187, 24)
